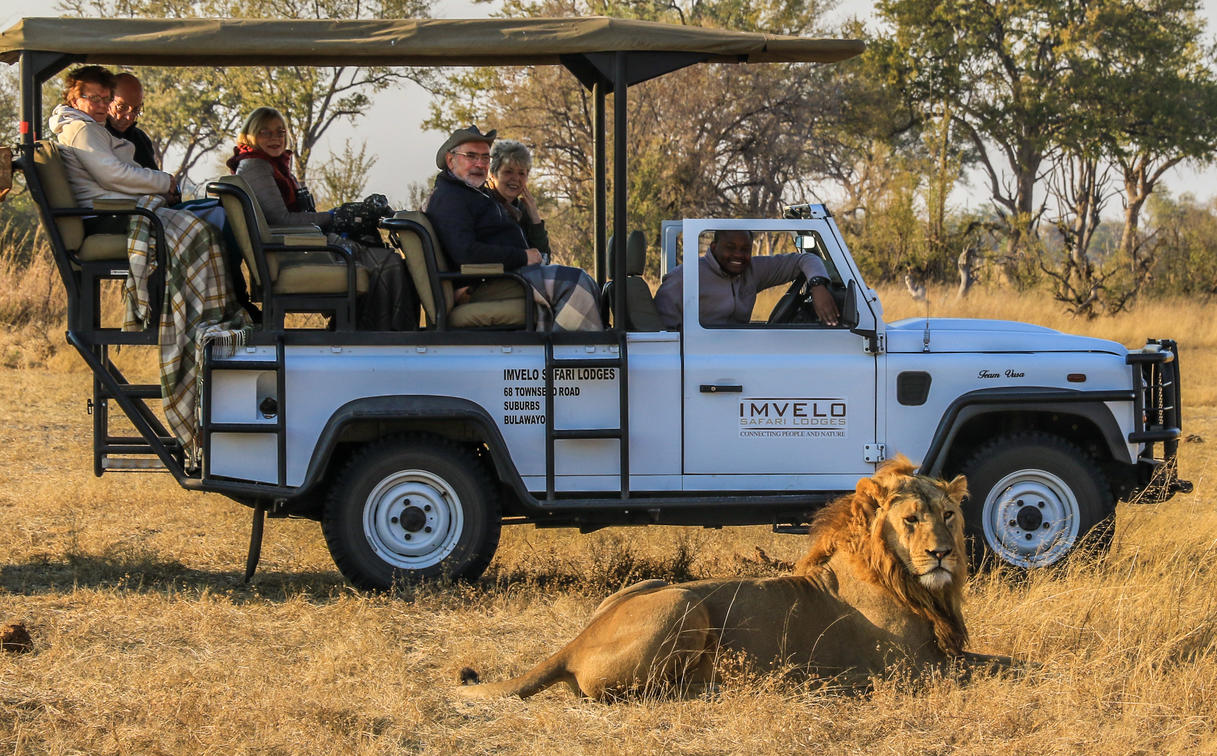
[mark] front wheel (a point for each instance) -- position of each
(411, 509)
(1033, 497)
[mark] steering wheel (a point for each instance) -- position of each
(790, 302)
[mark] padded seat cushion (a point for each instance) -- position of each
(497, 303)
(499, 313)
(320, 278)
(103, 247)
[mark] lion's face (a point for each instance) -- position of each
(921, 523)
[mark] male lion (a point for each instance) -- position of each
(880, 585)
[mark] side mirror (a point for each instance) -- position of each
(849, 310)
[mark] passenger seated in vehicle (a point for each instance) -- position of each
(510, 163)
(101, 166)
(730, 278)
(124, 114)
(475, 228)
(198, 304)
(262, 157)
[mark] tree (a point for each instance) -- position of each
(343, 178)
(192, 112)
(999, 70)
(1153, 67)
(740, 146)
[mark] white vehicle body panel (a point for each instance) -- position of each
(801, 408)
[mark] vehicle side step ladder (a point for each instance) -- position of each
(271, 406)
(621, 432)
(112, 453)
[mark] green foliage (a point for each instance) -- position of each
(192, 112)
(1185, 234)
(344, 177)
(707, 141)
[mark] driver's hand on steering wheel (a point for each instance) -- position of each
(825, 306)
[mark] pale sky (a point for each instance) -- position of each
(405, 152)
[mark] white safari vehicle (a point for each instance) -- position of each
(413, 449)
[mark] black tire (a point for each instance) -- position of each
(406, 510)
(1033, 498)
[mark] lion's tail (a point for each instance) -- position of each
(537, 679)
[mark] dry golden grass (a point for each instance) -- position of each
(147, 641)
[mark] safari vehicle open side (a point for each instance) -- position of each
(412, 449)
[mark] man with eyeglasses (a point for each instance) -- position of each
(124, 111)
(474, 228)
(100, 166)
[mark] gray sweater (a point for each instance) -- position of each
(727, 299)
(261, 179)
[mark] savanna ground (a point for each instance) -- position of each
(147, 641)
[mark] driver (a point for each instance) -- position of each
(731, 278)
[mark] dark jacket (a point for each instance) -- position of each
(472, 227)
(144, 154)
(534, 233)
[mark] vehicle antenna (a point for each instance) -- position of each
(925, 337)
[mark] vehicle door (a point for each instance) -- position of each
(796, 400)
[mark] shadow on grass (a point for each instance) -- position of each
(143, 574)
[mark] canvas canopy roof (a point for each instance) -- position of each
(406, 42)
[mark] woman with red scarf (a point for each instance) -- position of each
(263, 159)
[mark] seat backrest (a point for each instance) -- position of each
(413, 249)
(640, 312)
(234, 212)
(48, 162)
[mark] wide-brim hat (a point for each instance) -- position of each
(459, 137)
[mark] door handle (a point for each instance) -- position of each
(721, 388)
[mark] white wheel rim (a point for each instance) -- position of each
(1031, 518)
(413, 519)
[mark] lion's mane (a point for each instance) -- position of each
(851, 525)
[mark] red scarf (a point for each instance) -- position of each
(281, 167)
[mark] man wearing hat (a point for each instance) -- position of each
(473, 227)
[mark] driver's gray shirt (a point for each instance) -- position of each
(727, 299)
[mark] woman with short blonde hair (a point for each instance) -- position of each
(263, 157)
(255, 122)
(510, 164)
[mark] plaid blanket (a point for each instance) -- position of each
(198, 308)
(566, 298)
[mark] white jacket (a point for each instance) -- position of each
(99, 164)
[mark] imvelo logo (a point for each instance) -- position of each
(793, 417)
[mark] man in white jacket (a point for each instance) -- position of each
(99, 164)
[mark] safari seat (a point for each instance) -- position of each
(509, 301)
(640, 312)
(290, 272)
(92, 257)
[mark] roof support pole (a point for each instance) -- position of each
(600, 182)
(620, 229)
(36, 68)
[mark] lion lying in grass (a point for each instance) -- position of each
(880, 586)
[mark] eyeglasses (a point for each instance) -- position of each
(268, 133)
(474, 157)
(97, 99)
(125, 109)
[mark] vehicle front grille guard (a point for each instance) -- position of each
(1157, 412)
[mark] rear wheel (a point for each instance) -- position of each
(1033, 497)
(411, 509)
